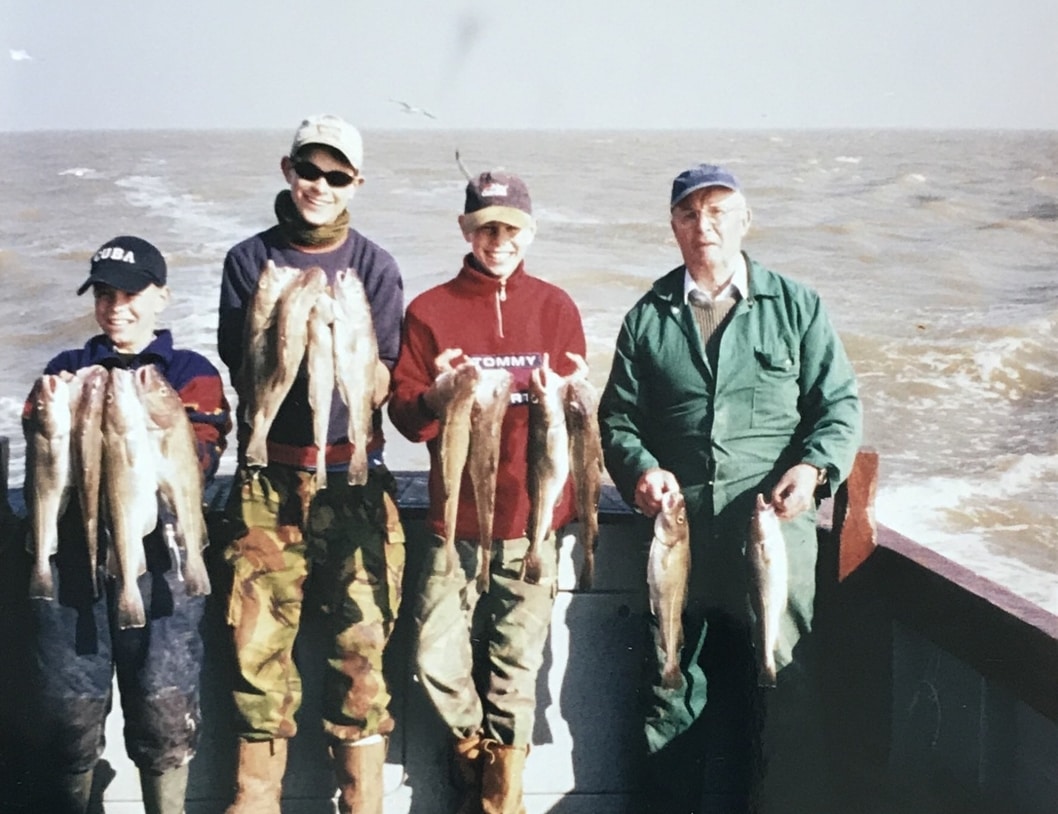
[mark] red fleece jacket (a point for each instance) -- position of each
(509, 324)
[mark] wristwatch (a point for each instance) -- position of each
(821, 474)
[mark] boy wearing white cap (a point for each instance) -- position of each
(340, 548)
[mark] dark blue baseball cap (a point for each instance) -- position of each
(700, 177)
(126, 263)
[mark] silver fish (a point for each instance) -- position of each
(130, 486)
(321, 379)
(47, 430)
(454, 389)
(548, 460)
(87, 456)
(668, 569)
(586, 464)
(291, 342)
(179, 472)
(491, 398)
(768, 571)
(355, 361)
(258, 345)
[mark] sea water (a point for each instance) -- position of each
(936, 254)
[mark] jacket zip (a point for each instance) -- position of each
(501, 296)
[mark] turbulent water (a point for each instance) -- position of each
(936, 254)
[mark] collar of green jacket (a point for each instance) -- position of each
(762, 283)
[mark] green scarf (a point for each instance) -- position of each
(300, 232)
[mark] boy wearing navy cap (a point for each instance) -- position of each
(729, 384)
(492, 313)
(77, 644)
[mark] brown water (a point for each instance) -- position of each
(936, 254)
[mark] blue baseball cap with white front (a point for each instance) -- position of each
(702, 176)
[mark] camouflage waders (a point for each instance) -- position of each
(510, 622)
(344, 547)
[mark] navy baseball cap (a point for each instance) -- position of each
(126, 263)
(700, 177)
(497, 196)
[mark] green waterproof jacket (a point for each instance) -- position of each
(781, 391)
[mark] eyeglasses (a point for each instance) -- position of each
(307, 171)
(714, 215)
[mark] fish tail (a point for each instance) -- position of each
(453, 560)
(130, 608)
(531, 566)
(196, 579)
(671, 677)
(358, 469)
(767, 677)
(40, 583)
(486, 565)
(587, 570)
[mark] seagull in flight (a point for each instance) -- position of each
(412, 109)
(18, 55)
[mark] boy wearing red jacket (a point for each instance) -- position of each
(494, 314)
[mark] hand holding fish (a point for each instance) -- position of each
(652, 487)
(581, 365)
(795, 491)
(436, 397)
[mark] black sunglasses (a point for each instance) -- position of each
(308, 171)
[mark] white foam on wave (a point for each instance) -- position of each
(849, 159)
(80, 172)
(922, 510)
(550, 215)
(215, 230)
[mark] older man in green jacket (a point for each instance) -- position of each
(729, 380)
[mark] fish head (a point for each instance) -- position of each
(91, 393)
(159, 397)
(51, 405)
(494, 385)
(273, 281)
(122, 406)
(670, 524)
(547, 390)
(582, 399)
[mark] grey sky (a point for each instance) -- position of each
(545, 63)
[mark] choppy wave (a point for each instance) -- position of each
(935, 254)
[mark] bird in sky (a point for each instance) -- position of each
(408, 108)
(19, 55)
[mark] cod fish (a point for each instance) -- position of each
(290, 334)
(585, 453)
(321, 379)
(668, 569)
(768, 585)
(47, 431)
(455, 390)
(179, 472)
(87, 456)
(548, 460)
(130, 477)
(258, 343)
(491, 398)
(355, 361)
